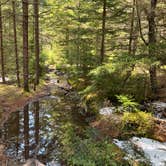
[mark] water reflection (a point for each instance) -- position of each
(26, 131)
(34, 131)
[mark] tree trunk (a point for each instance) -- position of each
(102, 54)
(25, 45)
(132, 42)
(15, 44)
(152, 42)
(1, 47)
(37, 50)
(132, 28)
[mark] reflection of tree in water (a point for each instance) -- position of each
(26, 131)
(36, 131)
(37, 127)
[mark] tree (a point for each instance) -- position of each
(152, 44)
(103, 31)
(37, 50)
(15, 44)
(25, 45)
(1, 46)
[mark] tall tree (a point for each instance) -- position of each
(1, 46)
(132, 28)
(103, 31)
(152, 43)
(25, 45)
(15, 44)
(37, 50)
(132, 42)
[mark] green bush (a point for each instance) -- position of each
(106, 81)
(138, 123)
(128, 103)
(87, 150)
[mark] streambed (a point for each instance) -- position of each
(34, 131)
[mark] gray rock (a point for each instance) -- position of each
(107, 111)
(151, 150)
(33, 162)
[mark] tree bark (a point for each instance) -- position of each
(1, 47)
(15, 44)
(25, 45)
(132, 42)
(152, 42)
(37, 50)
(102, 53)
(132, 28)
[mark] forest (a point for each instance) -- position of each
(82, 83)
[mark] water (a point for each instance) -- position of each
(34, 131)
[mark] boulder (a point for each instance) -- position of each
(33, 162)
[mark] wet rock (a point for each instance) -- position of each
(151, 150)
(132, 154)
(33, 162)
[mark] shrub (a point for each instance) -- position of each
(107, 80)
(88, 150)
(128, 103)
(138, 123)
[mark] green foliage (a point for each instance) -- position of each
(104, 83)
(138, 123)
(87, 150)
(107, 81)
(128, 103)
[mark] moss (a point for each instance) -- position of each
(138, 123)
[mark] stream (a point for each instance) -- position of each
(33, 132)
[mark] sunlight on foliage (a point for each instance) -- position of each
(139, 123)
(128, 103)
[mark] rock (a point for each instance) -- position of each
(152, 150)
(107, 111)
(33, 162)
(160, 130)
(109, 125)
(159, 109)
(131, 154)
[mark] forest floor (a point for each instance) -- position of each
(13, 97)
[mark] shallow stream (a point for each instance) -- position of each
(34, 131)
